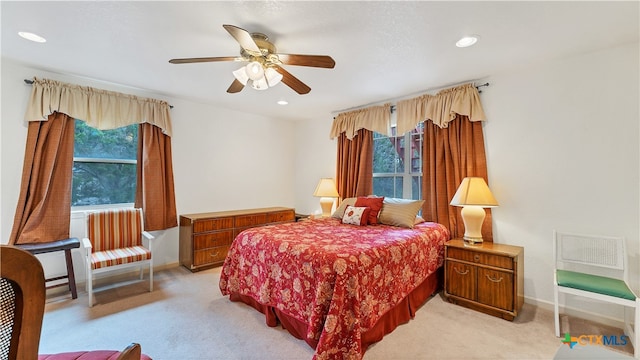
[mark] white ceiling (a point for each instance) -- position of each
(383, 50)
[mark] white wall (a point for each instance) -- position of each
(315, 159)
(563, 153)
(222, 160)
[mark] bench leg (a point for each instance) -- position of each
(70, 274)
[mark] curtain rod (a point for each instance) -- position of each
(30, 82)
(393, 107)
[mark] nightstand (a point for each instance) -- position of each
(486, 277)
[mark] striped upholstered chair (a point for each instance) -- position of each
(114, 241)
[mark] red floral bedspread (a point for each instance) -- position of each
(339, 279)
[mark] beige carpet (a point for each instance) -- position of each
(186, 317)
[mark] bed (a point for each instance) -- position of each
(339, 287)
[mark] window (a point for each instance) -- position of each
(397, 164)
(104, 165)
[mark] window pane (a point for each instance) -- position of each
(399, 193)
(103, 183)
(388, 186)
(120, 143)
(383, 186)
(416, 187)
(384, 156)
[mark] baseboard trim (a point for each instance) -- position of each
(582, 314)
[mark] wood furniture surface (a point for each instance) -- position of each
(486, 277)
(205, 238)
(59, 245)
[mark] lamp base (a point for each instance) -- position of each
(472, 241)
(473, 217)
(326, 204)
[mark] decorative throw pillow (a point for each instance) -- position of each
(356, 215)
(375, 203)
(339, 213)
(400, 212)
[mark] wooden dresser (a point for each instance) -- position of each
(205, 238)
(487, 277)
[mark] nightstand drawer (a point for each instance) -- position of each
(218, 238)
(495, 288)
(477, 257)
(461, 280)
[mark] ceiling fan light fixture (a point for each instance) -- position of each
(255, 70)
(241, 75)
(260, 84)
(273, 77)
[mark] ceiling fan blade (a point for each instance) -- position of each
(243, 38)
(206, 59)
(321, 61)
(292, 81)
(236, 87)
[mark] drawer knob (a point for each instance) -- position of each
(215, 254)
(476, 257)
(495, 280)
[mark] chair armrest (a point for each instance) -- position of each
(148, 235)
(86, 243)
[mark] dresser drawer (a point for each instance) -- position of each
(212, 224)
(281, 216)
(251, 220)
(212, 239)
(211, 255)
(476, 257)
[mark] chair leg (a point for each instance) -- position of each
(90, 285)
(556, 312)
(151, 276)
(636, 333)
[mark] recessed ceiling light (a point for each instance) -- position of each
(283, 102)
(32, 36)
(467, 41)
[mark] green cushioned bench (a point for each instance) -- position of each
(593, 283)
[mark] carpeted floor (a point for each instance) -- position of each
(186, 317)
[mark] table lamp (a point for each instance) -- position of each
(326, 190)
(473, 195)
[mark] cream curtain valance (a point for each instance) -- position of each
(100, 109)
(375, 118)
(440, 108)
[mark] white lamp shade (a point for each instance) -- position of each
(241, 75)
(326, 188)
(255, 71)
(273, 77)
(474, 191)
(260, 84)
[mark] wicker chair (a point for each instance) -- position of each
(22, 298)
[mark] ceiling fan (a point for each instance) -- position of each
(264, 69)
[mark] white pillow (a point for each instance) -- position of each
(356, 215)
